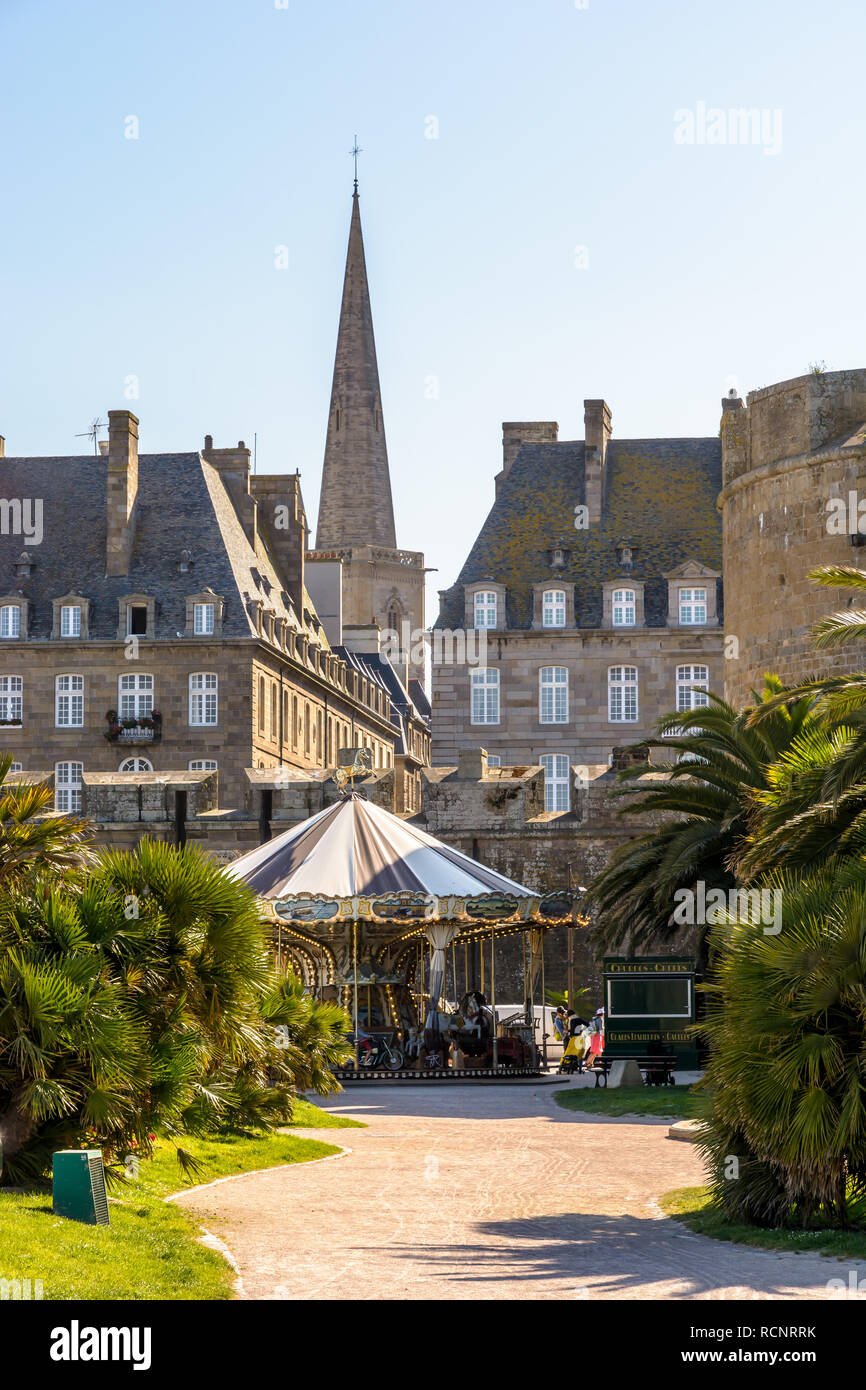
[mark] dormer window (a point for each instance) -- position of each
(71, 617)
(553, 608)
(24, 566)
(204, 614)
(186, 561)
(136, 619)
(623, 608)
(136, 616)
(559, 555)
(485, 609)
(70, 620)
(203, 619)
(10, 620)
(625, 555)
(693, 607)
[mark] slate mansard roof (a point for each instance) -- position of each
(182, 504)
(404, 705)
(660, 496)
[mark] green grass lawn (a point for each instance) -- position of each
(310, 1116)
(676, 1102)
(692, 1206)
(150, 1250)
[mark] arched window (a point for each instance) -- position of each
(485, 609)
(693, 682)
(485, 695)
(262, 704)
(296, 722)
(287, 719)
(135, 765)
(553, 695)
(67, 787)
(623, 608)
(275, 709)
(203, 698)
(320, 752)
(135, 697)
(69, 702)
(557, 785)
(203, 765)
(307, 730)
(553, 608)
(622, 694)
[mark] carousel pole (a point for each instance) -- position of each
(543, 1006)
(454, 973)
(355, 964)
(493, 1001)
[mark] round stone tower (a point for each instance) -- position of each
(794, 476)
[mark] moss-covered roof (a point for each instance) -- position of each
(660, 496)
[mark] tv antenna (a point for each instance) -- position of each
(93, 433)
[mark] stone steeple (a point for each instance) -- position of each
(355, 507)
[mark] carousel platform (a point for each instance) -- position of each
(450, 1076)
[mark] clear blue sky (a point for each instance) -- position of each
(155, 257)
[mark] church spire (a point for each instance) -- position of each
(355, 507)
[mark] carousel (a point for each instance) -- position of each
(401, 930)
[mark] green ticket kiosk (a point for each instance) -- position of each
(649, 1005)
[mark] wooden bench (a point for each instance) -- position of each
(659, 1071)
(601, 1069)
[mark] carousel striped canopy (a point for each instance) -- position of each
(355, 848)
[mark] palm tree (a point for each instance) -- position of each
(705, 796)
(32, 838)
(141, 997)
(837, 629)
(785, 1020)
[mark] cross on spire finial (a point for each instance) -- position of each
(354, 152)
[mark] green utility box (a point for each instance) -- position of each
(79, 1186)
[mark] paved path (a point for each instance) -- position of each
(487, 1193)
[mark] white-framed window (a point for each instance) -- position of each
(135, 765)
(485, 695)
(10, 620)
(202, 619)
(693, 606)
(70, 620)
(553, 608)
(16, 767)
(69, 702)
(553, 695)
(67, 787)
(622, 694)
(557, 782)
(203, 765)
(623, 608)
(693, 682)
(11, 697)
(485, 609)
(203, 698)
(135, 697)
(494, 760)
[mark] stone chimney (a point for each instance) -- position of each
(233, 465)
(2, 447)
(122, 490)
(596, 419)
(471, 764)
(734, 434)
(283, 522)
(516, 433)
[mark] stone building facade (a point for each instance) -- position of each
(593, 599)
(158, 619)
(794, 461)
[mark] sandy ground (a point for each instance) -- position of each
(487, 1193)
